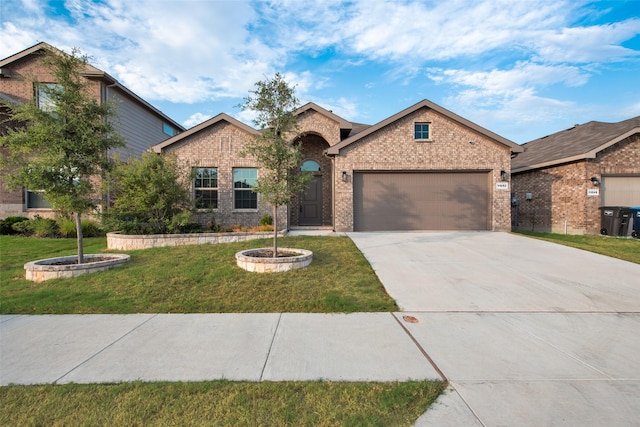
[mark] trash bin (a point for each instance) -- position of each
(635, 214)
(614, 220)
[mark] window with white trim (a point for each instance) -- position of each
(422, 131)
(205, 185)
(244, 179)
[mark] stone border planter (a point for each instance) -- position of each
(273, 265)
(129, 242)
(45, 269)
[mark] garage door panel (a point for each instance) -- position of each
(420, 201)
(621, 191)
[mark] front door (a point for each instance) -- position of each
(311, 203)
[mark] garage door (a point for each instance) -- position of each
(386, 201)
(621, 191)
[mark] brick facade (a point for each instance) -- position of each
(453, 147)
(560, 203)
(393, 148)
(219, 146)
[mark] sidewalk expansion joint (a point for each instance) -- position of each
(422, 350)
(273, 339)
(104, 348)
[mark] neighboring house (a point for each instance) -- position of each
(570, 174)
(137, 121)
(424, 168)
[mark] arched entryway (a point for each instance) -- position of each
(313, 206)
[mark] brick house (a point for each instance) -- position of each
(570, 174)
(137, 121)
(424, 168)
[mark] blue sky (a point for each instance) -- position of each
(521, 68)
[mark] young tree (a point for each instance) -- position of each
(64, 140)
(274, 148)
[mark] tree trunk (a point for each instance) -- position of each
(275, 231)
(79, 238)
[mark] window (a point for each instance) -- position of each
(310, 166)
(168, 129)
(243, 196)
(421, 131)
(43, 95)
(36, 200)
(205, 185)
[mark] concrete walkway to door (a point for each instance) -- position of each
(528, 333)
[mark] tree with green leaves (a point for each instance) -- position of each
(275, 148)
(62, 141)
(151, 195)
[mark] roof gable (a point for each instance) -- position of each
(344, 124)
(222, 117)
(424, 104)
(577, 143)
(90, 72)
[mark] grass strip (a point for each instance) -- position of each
(193, 279)
(219, 403)
(617, 247)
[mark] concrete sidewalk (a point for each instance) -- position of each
(528, 333)
(199, 347)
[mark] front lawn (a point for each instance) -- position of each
(616, 247)
(219, 403)
(193, 279)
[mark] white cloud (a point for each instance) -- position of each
(195, 119)
(496, 53)
(601, 43)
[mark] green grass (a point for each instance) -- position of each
(193, 279)
(219, 403)
(616, 247)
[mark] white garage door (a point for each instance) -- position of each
(386, 201)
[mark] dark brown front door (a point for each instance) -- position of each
(311, 203)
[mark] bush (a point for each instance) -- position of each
(183, 223)
(91, 228)
(6, 225)
(266, 220)
(67, 226)
(38, 227)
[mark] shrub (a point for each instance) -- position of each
(67, 226)
(183, 222)
(266, 220)
(38, 227)
(6, 225)
(148, 193)
(91, 228)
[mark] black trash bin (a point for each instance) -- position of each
(614, 220)
(635, 214)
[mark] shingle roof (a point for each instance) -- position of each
(425, 103)
(577, 143)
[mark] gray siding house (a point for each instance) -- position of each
(141, 124)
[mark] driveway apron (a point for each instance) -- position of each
(528, 333)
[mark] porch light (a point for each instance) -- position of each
(595, 181)
(504, 175)
(345, 177)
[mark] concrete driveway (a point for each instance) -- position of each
(528, 333)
